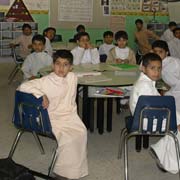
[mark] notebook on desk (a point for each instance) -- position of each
(125, 66)
(94, 79)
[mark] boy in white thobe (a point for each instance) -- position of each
(174, 44)
(49, 34)
(85, 52)
(59, 92)
(165, 148)
(145, 85)
(36, 60)
(121, 53)
(168, 33)
(108, 43)
(24, 41)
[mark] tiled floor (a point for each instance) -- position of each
(102, 149)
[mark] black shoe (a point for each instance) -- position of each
(155, 157)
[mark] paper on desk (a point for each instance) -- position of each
(94, 79)
(82, 74)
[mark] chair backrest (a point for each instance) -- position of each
(103, 57)
(154, 114)
(57, 38)
(17, 59)
(29, 114)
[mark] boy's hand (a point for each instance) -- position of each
(88, 46)
(82, 44)
(45, 102)
(178, 127)
(118, 61)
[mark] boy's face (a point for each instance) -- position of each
(153, 70)
(38, 46)
(122, 42)
(50, 34)
(161, 52)
(108, 39)
(139, 26)
(27, 31)
(83, 41)
(177, 34)
(61, 67)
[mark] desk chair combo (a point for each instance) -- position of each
(18, 60)
(153, 116)
(29, 116)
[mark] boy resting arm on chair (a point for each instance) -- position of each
(59, 92)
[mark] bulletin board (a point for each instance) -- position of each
(98, 19)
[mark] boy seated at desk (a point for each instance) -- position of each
(36, 60)
(49, 33)
(85, 52)
(24, 41)
(121, 54)
(106, 46)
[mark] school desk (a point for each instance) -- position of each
(91, 78)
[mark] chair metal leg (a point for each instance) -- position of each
(14, 75)
(12, 72)
(126, 158)
(13, 148)
(121, 142)
(38, 141)
(54, 157)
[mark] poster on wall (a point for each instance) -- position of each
(4, 2)
(75, 11)
(125, 6)
(117, 23)
(154, 6)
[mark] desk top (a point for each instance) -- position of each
(102, 74)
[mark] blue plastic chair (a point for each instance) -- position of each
(148, 119)
(29, 116)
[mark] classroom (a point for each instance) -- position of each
(87, 89)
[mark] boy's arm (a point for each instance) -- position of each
(77, 55)
(170, 75)
(26, 68)
(34, 87)
(95, 56)
(132, 57)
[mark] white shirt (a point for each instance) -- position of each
(122, 53)
(167, 35)
(143, 86)
(174, 47)
(105, 48)
(34, 62)
(82, 56)
(23, 41)
(48, 47)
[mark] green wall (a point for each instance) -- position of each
(43, 22)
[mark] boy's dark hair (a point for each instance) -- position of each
(172, 23)
(39, 37)
(121, 34)
(25, 25)
(79, 35)
(176, 29)
(63, 53)
(79, 27)
(140, 21)
(108, 33)
(48, 29)
(160, 44)
(149, 57)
